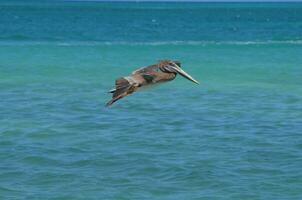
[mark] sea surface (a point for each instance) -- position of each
(237, 135)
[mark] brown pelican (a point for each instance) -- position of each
(163, 71)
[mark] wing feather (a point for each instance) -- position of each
(123, 87)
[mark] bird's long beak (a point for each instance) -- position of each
(184, 74)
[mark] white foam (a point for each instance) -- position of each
(159, 43)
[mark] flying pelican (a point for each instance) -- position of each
(163, 71)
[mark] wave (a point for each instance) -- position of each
(158, 43)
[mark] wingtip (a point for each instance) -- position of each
(109, 103)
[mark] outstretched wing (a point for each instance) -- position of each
(129, 84)
(123, 87)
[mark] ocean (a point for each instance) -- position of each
(237, 135)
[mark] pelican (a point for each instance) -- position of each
(163, 71)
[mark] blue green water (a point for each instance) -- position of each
(237, 135)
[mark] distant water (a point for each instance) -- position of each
(238, 135)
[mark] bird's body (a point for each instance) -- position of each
(163, 71)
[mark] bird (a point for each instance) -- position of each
(163, 71)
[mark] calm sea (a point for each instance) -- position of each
(237, 135)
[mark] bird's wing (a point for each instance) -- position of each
(146, 74)
(148, 77)
(145, 70)
(123, 87)
(129, 84)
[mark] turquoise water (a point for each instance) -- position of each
(237, 135)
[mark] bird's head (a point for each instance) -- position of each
(170, 66)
